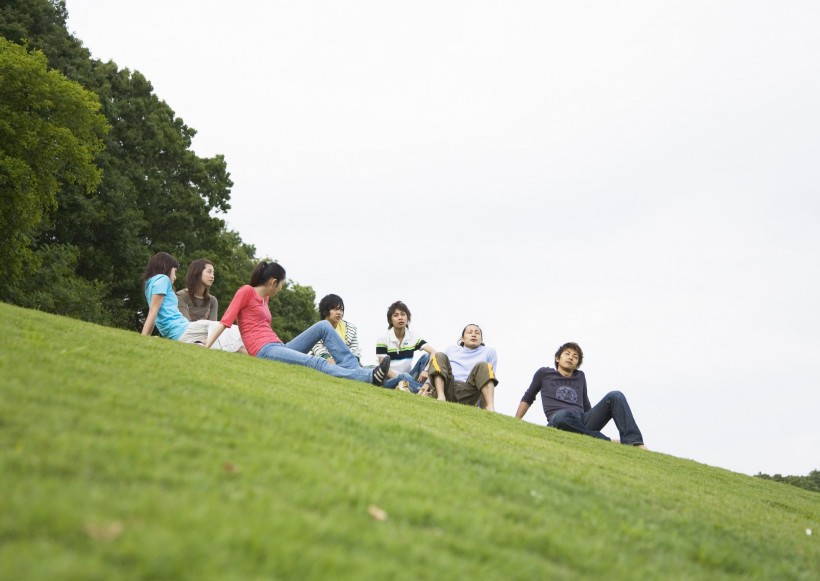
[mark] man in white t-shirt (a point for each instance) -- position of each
(465, 373)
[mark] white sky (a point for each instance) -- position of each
(640, 177)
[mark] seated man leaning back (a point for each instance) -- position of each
(566, 404)
(465, 373)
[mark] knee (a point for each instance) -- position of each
(324, 324)
(485, 373)
(439, 365)
(559, 419)
(616, 396)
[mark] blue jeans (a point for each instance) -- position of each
(412, 377)
(612, 407)
(296, 351)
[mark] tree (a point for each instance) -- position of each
(50, 132)
(293, 310)
(155, 194)
(810, 482)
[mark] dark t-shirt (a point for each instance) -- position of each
(558, 392)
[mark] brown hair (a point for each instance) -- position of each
(193, 279)
(160, 263)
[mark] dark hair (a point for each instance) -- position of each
(575, 347)
(265, 271)
(397, 306)
(193, 280)
(328, 303)
(160, 263)
(461, 340)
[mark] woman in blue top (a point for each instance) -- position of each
(163, 305)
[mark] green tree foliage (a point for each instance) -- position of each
(155, 194)
(293, 310)
(810, 482)
(50, 131)
(74, 296)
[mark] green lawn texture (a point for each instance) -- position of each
(124, 456)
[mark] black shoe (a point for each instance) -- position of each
(380, 373)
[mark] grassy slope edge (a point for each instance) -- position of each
(130, 457)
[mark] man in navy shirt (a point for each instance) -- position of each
(566, 404)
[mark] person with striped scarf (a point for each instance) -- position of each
(332, 310)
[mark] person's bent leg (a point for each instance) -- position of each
(420, 366)
(197, 332)
(441, 376)
(480, 385)
(614, 406)
(323, 330)
(280, 352)
(572, 420)
(488, 396)
(392, 382)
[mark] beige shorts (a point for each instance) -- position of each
(200, 331)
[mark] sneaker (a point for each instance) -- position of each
(403, 386)
(380, 373)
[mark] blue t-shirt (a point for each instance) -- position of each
(170, 322)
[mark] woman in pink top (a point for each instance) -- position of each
(250, 307)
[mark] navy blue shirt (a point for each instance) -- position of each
(558, 392)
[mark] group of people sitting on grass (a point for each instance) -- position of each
(464, 373)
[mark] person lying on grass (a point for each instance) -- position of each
(332, 310)
(196, 303)
(401, 344)
(566, 404)
(163, 305)
(250, 307)
(465, 372)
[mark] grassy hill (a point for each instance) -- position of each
(123, 456)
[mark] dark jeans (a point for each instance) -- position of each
(612, 407)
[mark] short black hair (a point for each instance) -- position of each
(397, 306)
(575, 347)
(328, 303)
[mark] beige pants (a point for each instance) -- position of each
(200, 331)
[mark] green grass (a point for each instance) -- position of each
(123, 456)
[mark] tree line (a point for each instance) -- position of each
(810, 482)
(97, 174)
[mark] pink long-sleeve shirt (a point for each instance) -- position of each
(254, 319)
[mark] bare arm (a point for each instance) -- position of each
(523, 407)
(217, 332)
(153, 309)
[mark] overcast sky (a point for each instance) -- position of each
(639, 177)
